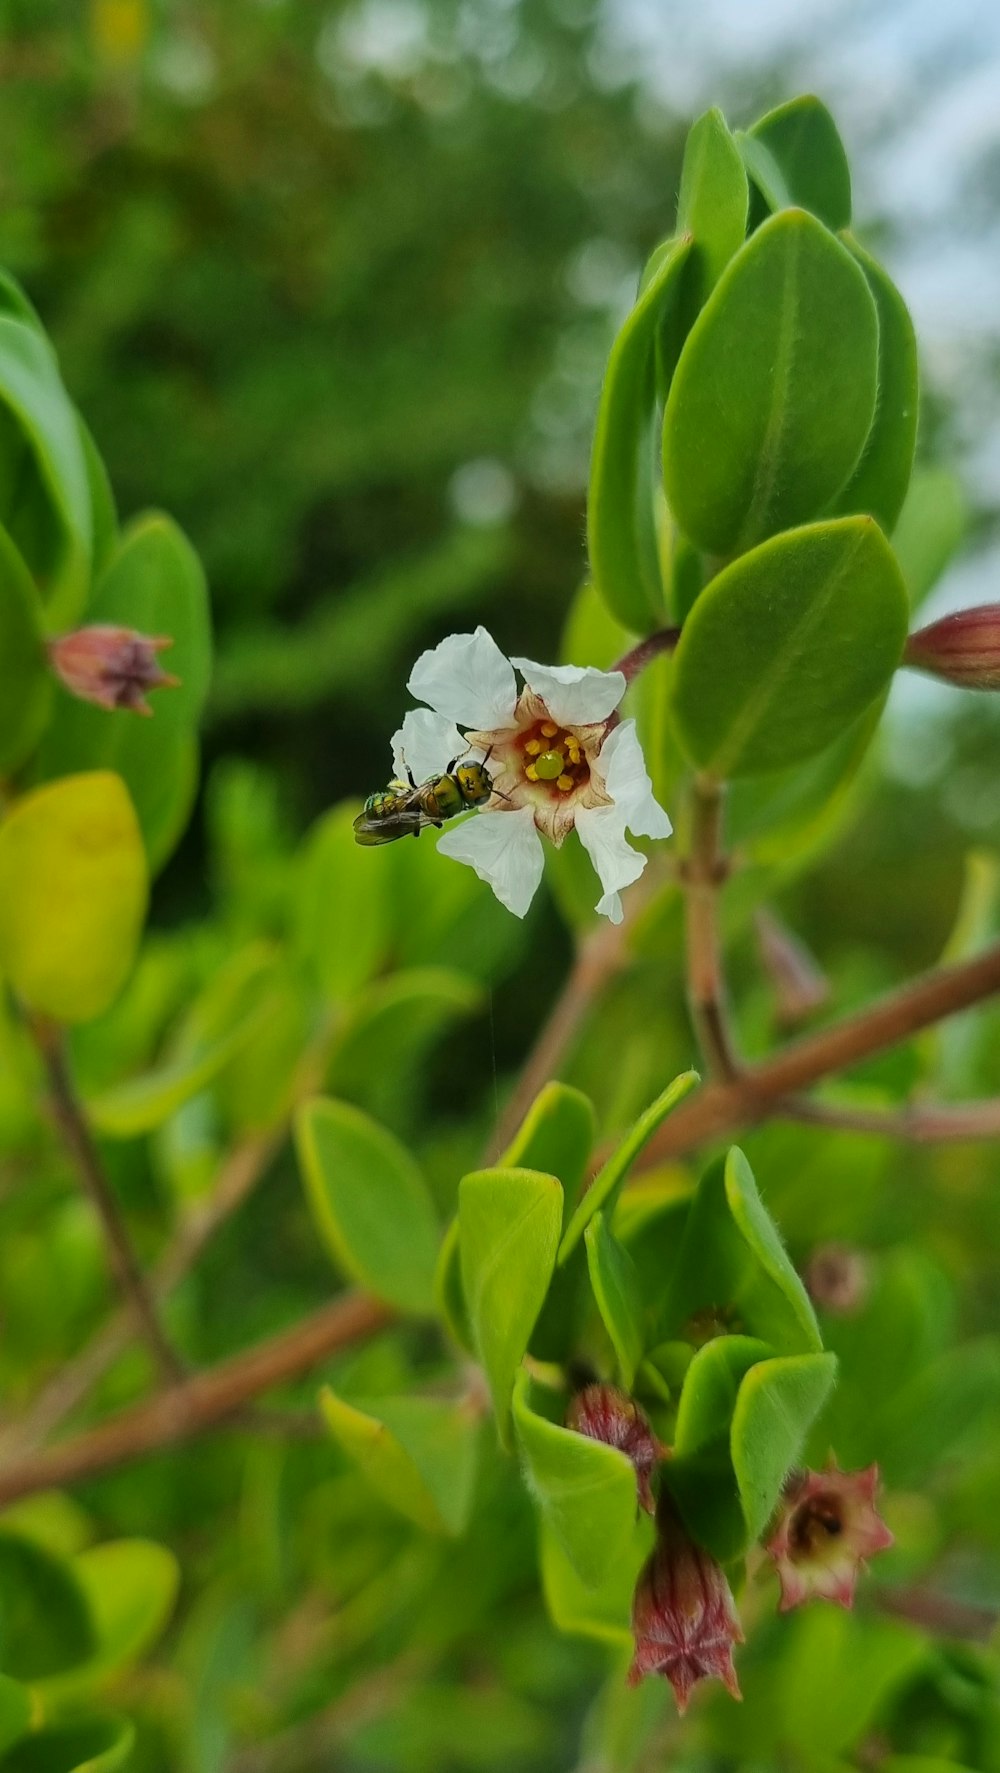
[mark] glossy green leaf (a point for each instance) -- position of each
(385, 1039)
(786, 348)
(621, 527)
(448, 1294)
(341, 909)
(134, 1107)
(930, 529)
(777, 1404)
(155, 584)
(556, 1135)
(615, 1283)
(713, 201)
(418, 1454)
(369, 1202)
(18, 1711)
(802, 142)
(44, 487)
(788, 646)
(586, 1492)
(732, 1262)
(841, 1674)
(103, 511)
(87, 1745)
(73, 889)
(603, 1191)
(701, 1477)
(45, 1621)
(25, 678)
(879, 482)
(602, 1613)
(509, 1222)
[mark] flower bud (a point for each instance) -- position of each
(963, 648)
(826, 1528)
(113, 667)
(683, 1615)
(609, 1415)
(837, 1279)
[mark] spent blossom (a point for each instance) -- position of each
(827, 1528)
(559, 757)
(963, 648)
(111, 666)
(684, 1617)
(604, 1413)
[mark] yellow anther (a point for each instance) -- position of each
(574, 750)
(531, 772)
(533, 747)
(549, 728)
(564, 782)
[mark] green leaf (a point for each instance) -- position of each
(25, 678)
(418, 1454)
(370, 1203)
(130, 1587)
(603, 1191)
(787, 348)
(556, 1135)
(621, 526)
(44, 486)
(615, 1283)
(87, 1745)
(701, 1476)
(586, 1492)
(788, 646)
(73, 891)
(842, 1673)
(18, 1711)
(930, 529)
(385, 1039)
(602, 1613)
(509, 1222)
(341, 909)
(777, 1404)
(713, 201)
(155, 584)
(45, 1622)
(879, 482)
(448, 1293)
(732, 1262)
(134, 1107)
(802, 141)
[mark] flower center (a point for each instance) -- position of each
(819, 1521)
(554, 755)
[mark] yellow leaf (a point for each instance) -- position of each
(73, 892)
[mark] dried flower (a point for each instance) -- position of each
(605, 1413)
(837, 1279)
(113, 667)
(683, 1615)
(825, 1530)
(963, 648)
(559, 758)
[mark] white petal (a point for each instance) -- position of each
(468, 679)
(506, 852)
(575, 695)
(624, 770)
(602, 833)
(425, 743)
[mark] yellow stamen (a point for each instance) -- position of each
(533, 747)
(574, 750)
(531, 772)
(564, 782)
(549, 728)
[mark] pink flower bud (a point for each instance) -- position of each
(826, 1528)
(113, 667)
(683, 1615)
(609, 1415)
(963, 648)
(837, 1279)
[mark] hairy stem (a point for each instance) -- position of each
(663, 641)
(76, 1136)
(200, 1402)
(703, 874)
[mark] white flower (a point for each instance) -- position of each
(558, 755)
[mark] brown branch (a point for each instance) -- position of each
(643, 654)
(198, 1403)
(73, 1382)
(77, 1138)
(939, 1613)
(703, 874)
(724, 1107)
(924, 1123)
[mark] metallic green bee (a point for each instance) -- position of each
(406, 807)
